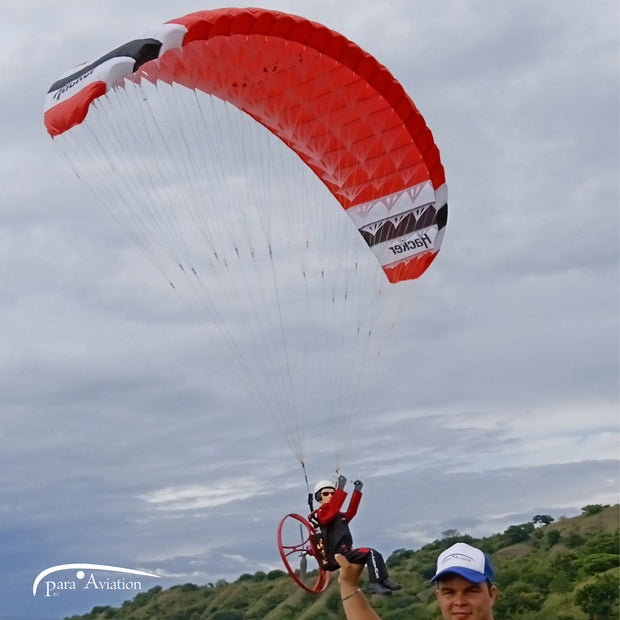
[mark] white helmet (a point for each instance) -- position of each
(320, 485)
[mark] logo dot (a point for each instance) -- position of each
(80, 574)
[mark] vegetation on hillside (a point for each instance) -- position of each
(567, 569)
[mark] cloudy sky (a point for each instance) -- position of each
(125, 441)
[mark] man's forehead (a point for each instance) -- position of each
(454, 579)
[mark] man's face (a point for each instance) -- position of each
(461, 599)
(326, 495)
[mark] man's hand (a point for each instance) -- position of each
(341, 482)
(358, 484)
(349, 573)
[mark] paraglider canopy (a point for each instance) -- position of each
(340, 112)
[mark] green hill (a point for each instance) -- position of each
(546, 570)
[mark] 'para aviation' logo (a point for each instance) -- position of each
(88, 577)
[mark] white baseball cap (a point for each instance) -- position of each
(464, 560)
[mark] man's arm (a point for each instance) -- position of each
(356, 607)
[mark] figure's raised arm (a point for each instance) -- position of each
(331, 499)
(354, 502)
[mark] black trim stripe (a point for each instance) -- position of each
(141, 50)
(388, 230)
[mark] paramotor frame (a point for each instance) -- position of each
(298, 541)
